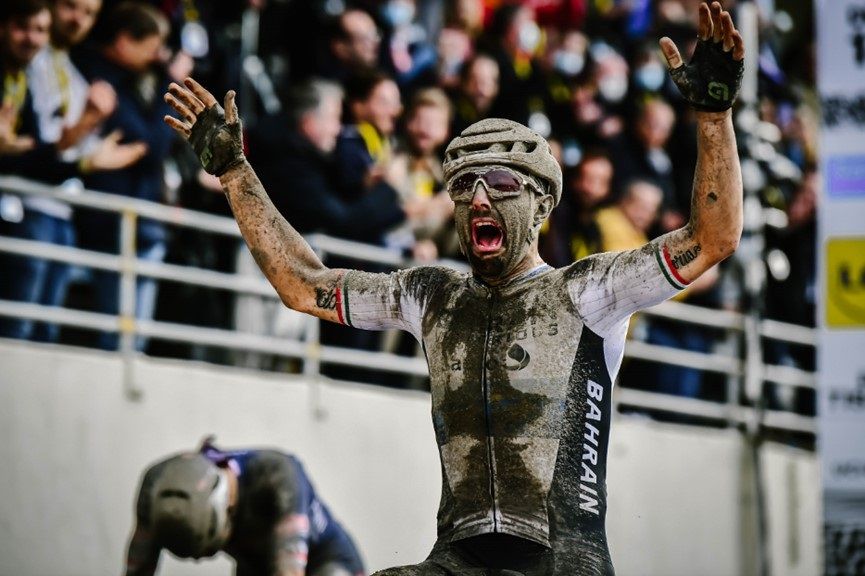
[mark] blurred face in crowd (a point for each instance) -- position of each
(611, 76)
(481, 85)
(592, 182)
(23, 38)
(427, 129)
(641, 203)
(72, 21)
(382, 108)
(523, 35)
(469, 14)
(655, 124)
(360, 45)
(322, 126)
(569, 58)
(137, 55)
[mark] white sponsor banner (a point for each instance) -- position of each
(841, 273)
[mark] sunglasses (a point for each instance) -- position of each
(500, 182)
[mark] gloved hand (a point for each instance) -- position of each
(711, 80)
(214, 134)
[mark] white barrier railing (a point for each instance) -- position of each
(312, 353)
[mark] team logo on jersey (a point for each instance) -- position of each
(518, 358)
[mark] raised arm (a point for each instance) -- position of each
(710, 83)
(298, 275)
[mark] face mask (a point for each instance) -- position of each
(613, 88)
(650, 77)
(398, 13)
(529, 37)
(568, 62)
(450, 66)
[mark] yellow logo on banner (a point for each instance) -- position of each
(845, 282)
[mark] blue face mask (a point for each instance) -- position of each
(569, 63)
(650, 77)
(398, 13)
(613, 88)
(529, 37)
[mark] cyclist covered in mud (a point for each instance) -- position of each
(258, 506)
(522, 356)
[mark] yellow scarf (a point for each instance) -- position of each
(378, 147)
(14, 94)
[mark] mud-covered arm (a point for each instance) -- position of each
(710, 83)
(292, 267)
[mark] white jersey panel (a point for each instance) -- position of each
(614, 285)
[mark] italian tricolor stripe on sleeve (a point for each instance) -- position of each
(342, 312)
(662, 254)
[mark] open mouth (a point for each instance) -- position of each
(487, 235)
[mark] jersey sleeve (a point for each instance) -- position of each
(381, 301)
(292, 532)
(607, 288)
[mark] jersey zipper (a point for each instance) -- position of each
(491, 465)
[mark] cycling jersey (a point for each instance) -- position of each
(521, 379)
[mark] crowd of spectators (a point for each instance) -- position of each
(369, 92)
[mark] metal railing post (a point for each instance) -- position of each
(731, 346)
(312, 356)
(127, 287)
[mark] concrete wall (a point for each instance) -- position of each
(73, 446)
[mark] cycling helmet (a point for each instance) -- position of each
(500, 141)
(189, 507)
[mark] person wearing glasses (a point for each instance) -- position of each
(522, 356)
(258, 506)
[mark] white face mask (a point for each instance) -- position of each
(529, 37)
(650, 76)
(398, 12)
(568, 62)
(613, 88)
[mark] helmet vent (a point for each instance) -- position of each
(174, 494)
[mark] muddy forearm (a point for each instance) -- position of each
(288, 262)
(716, 202)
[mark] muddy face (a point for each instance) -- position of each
(498, 235)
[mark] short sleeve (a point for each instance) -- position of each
(382, 301)
(607, 288)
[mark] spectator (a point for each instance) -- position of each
(513, 38)
(364, 161)
(354, 46)
(426, 130)
(649, 73)
(610, 76)
(566, 63)
(456, 41)
(478, 90)
(129, 62)
(300, 163)
(573, 231)
(626, 224)
(294, 155)
(36, 122)
(364, 148)
(408, 54)
(643, 156)
(465, 15)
